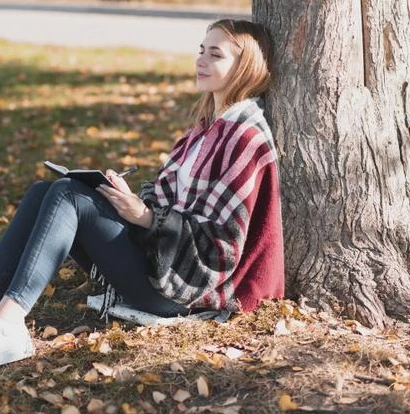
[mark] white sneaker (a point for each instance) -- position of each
(15, 342)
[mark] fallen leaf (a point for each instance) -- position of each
(95, 406)
(295, 325)
(123, 373)
(286, 309)
(103, 369)
(347, 400)
(128, 409)
(49, 331)
(147, 407)
(60, 370)
(354, 348)
(66, 341)
(101, 345)
(91, 375)
(202, 386)
(52, 398)
(181, 395)
(69, 393)
(176, 367)
(230, 401)
(233, 353)
(49, 290)
(29, 390)
(286, 403)
(66, 273)
(92, 131)
(150, 378)
(281, 328)
(158, 396)
(70, 409)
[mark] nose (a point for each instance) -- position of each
(200, 61)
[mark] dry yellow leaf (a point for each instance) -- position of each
(123, 373)
(286, 403)
(181, 395)
(101, 345)
(52, 398)
(49, 331)
(347, 400)
(218, 360)
(85, 161)
(69, 393)
(202, 386)
(286, 309)
(62, 369)
(354, 348)
(91, 375)
(294, 325)
(4, 220)
(49, 290)
(40, 171)
(66, 341)
(161, 146)
(103, 369)
(281, 328)
(158, 396)
(233, 353)
(29, 390)
(131, 135)
(65, 273)
(150, 378)
(163, 157)
(70, 409)
(92, 131)
(140, 388)
(95, 406)
(128, 409)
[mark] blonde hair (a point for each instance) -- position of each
(253, 74)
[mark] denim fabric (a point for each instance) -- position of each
(66, 217)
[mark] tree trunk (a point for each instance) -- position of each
(340, 111)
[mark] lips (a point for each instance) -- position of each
(201, 75)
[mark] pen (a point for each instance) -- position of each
(129, 171)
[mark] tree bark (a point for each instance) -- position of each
(340, 110)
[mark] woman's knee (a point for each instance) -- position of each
(68, 185)
(38, 189)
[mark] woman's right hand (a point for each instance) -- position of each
(118, 182)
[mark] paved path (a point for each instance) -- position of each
(153, 29)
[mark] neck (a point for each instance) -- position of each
(217, 103)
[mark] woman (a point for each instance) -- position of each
(205, 234)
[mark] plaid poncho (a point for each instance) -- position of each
(218, 244)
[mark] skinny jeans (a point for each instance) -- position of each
(68, 218)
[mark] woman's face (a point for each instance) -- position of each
(217, 60)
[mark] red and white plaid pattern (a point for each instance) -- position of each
(218, 244)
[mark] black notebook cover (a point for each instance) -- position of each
(93, 178)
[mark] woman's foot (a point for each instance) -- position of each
(15, 342)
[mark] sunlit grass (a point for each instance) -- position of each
(96, 108)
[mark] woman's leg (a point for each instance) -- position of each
(15, 238)
(73, 211)
(15, 341)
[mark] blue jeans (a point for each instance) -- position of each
(66, 217)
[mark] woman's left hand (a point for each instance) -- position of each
(128, 205)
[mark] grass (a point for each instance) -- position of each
(112, 108)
